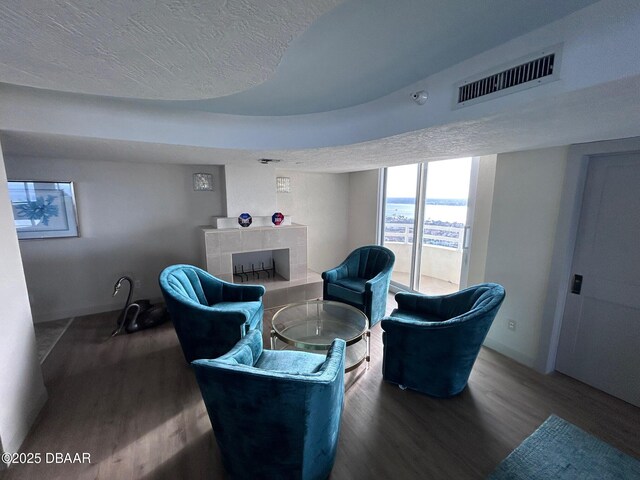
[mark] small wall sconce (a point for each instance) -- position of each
(202, 182)
(283, 185)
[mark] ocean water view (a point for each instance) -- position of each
(444, 213)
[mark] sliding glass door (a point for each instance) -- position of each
(426, 217)
(399, 219)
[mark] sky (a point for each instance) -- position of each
(445, 179)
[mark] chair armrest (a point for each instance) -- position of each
(237, 316)
(334, 364)
(232, 292)
(247, 350)
(379, 281)
(336, 273)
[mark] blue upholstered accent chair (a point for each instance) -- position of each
(275, 413)
(431, 343)
(209, 314)
(362, 281)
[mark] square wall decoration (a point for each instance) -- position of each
(43, 209)
(283, 185)
(203, 182)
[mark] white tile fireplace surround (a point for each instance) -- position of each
(220, 245)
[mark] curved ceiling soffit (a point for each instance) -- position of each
(161, 49)
(363, 50)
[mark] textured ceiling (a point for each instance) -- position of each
(253, 57)
(365, 49)
(154, 49)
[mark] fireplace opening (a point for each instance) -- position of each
(263, 265)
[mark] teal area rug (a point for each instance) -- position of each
(560, 450)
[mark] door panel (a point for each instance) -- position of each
(400, 220)
(600, 336)
(445, 213)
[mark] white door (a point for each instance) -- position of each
(600, 336)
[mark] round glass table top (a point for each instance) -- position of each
(313, 325)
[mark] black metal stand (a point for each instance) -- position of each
(254, 272)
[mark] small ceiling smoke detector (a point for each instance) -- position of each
(420, 97)
(267, 161)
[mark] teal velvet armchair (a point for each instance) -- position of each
(362, 281)
(275, 413)
(431, 343)
(209, 314)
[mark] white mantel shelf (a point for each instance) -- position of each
(238, 228)
(257, 222)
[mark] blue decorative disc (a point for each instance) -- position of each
(244, 219)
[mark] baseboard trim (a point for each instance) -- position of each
(79, 312)
(509, 352)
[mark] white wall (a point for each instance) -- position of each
(320, 201)
(251, 189)
(134, 219)
(481, 219)
(526, 203)
(363, 208)
(22, 391)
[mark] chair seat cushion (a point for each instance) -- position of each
(349, 289)
(290, 361)
(251, 309)
(352, 283)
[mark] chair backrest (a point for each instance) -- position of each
(300, 412)
(183, 281)
(191, 285)
(434, 341)
(191, 294)
(482, 299)
(370, 260)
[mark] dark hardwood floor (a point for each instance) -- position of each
(133, 404)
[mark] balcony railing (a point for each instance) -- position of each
(435, 235)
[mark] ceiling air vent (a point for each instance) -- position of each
(528, 72)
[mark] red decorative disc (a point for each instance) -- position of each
(277, 218)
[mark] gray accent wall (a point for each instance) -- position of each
(134, 219)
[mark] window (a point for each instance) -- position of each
(427, 201)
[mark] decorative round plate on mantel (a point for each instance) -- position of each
(277, 218)
(245, 220)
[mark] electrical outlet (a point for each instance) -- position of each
(511, 325)
(137, 283)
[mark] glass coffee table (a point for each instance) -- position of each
(314, 324)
